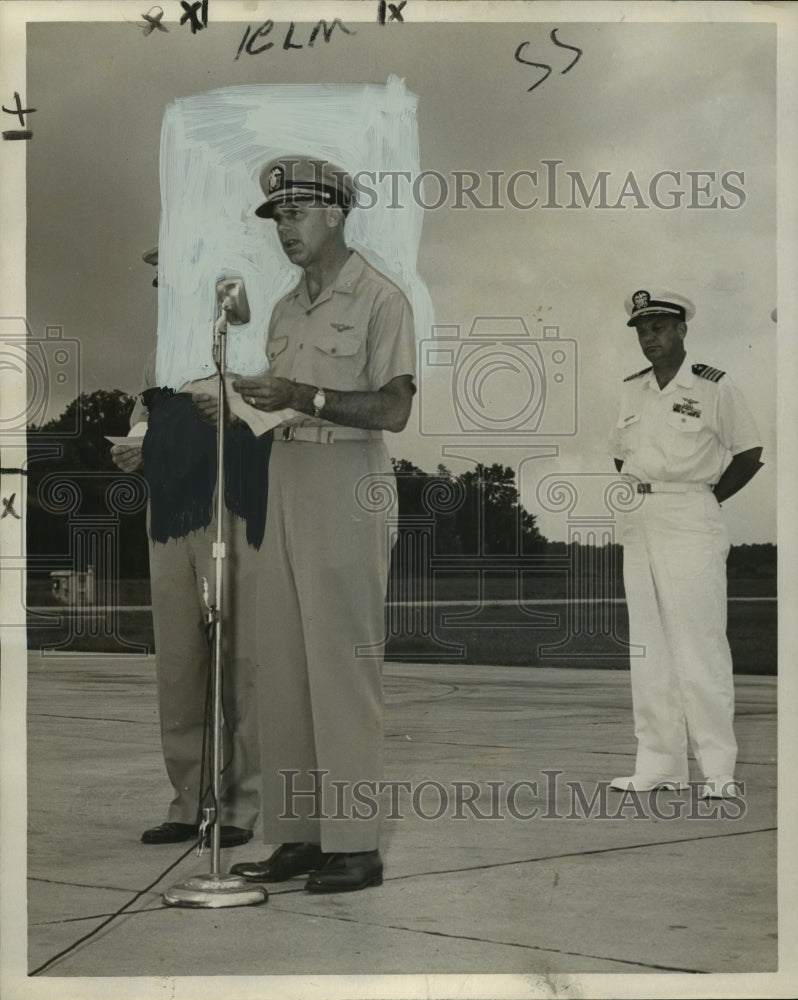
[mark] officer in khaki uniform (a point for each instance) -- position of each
(679, 425)
(182, 567)
(341, 350)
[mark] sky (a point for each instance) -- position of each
(640, 99)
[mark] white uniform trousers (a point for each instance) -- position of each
(184, 659)
(324, 571)
(675, 548)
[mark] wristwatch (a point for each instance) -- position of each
(318, 402)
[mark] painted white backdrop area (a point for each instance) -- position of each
(213, 147)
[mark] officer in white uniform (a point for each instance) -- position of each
(680, 423)
(341, 350)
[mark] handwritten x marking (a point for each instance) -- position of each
(153, 22)
(8, 508)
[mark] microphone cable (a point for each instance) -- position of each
(208, 725)
(209, 637)
(113, 916)
(209, 790)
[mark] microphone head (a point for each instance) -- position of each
(231, 297)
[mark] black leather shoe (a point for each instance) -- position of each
(347, 873)
(174, 833)
(286, 862)
(169, 833)
(232, 836)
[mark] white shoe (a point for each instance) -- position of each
(723, 786)
(646, 783)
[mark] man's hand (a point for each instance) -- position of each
(385, 409)
(265, 392)
(127, 457)
(208, 407)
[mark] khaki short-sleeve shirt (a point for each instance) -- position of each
(357, 335)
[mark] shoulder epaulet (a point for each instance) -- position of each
(707, 371)
(643, 371)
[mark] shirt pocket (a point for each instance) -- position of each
(339, 360)
(627, 434)
(684, 433)
(275, 352)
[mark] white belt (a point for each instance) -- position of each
(324, 434)
(673, 487)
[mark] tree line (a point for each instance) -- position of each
(74, 486)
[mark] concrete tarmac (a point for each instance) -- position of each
(504, 850)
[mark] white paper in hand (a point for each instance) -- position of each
(134, 437)
(259, 421)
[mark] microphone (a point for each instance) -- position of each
(231, 297)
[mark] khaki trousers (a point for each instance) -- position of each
(183, 661)
(324, 570)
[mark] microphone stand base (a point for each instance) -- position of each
(212, 891)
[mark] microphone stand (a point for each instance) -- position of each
(214, 889)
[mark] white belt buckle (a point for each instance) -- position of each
(288, 433)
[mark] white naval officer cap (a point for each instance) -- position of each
(303, 178)
(658, 300)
